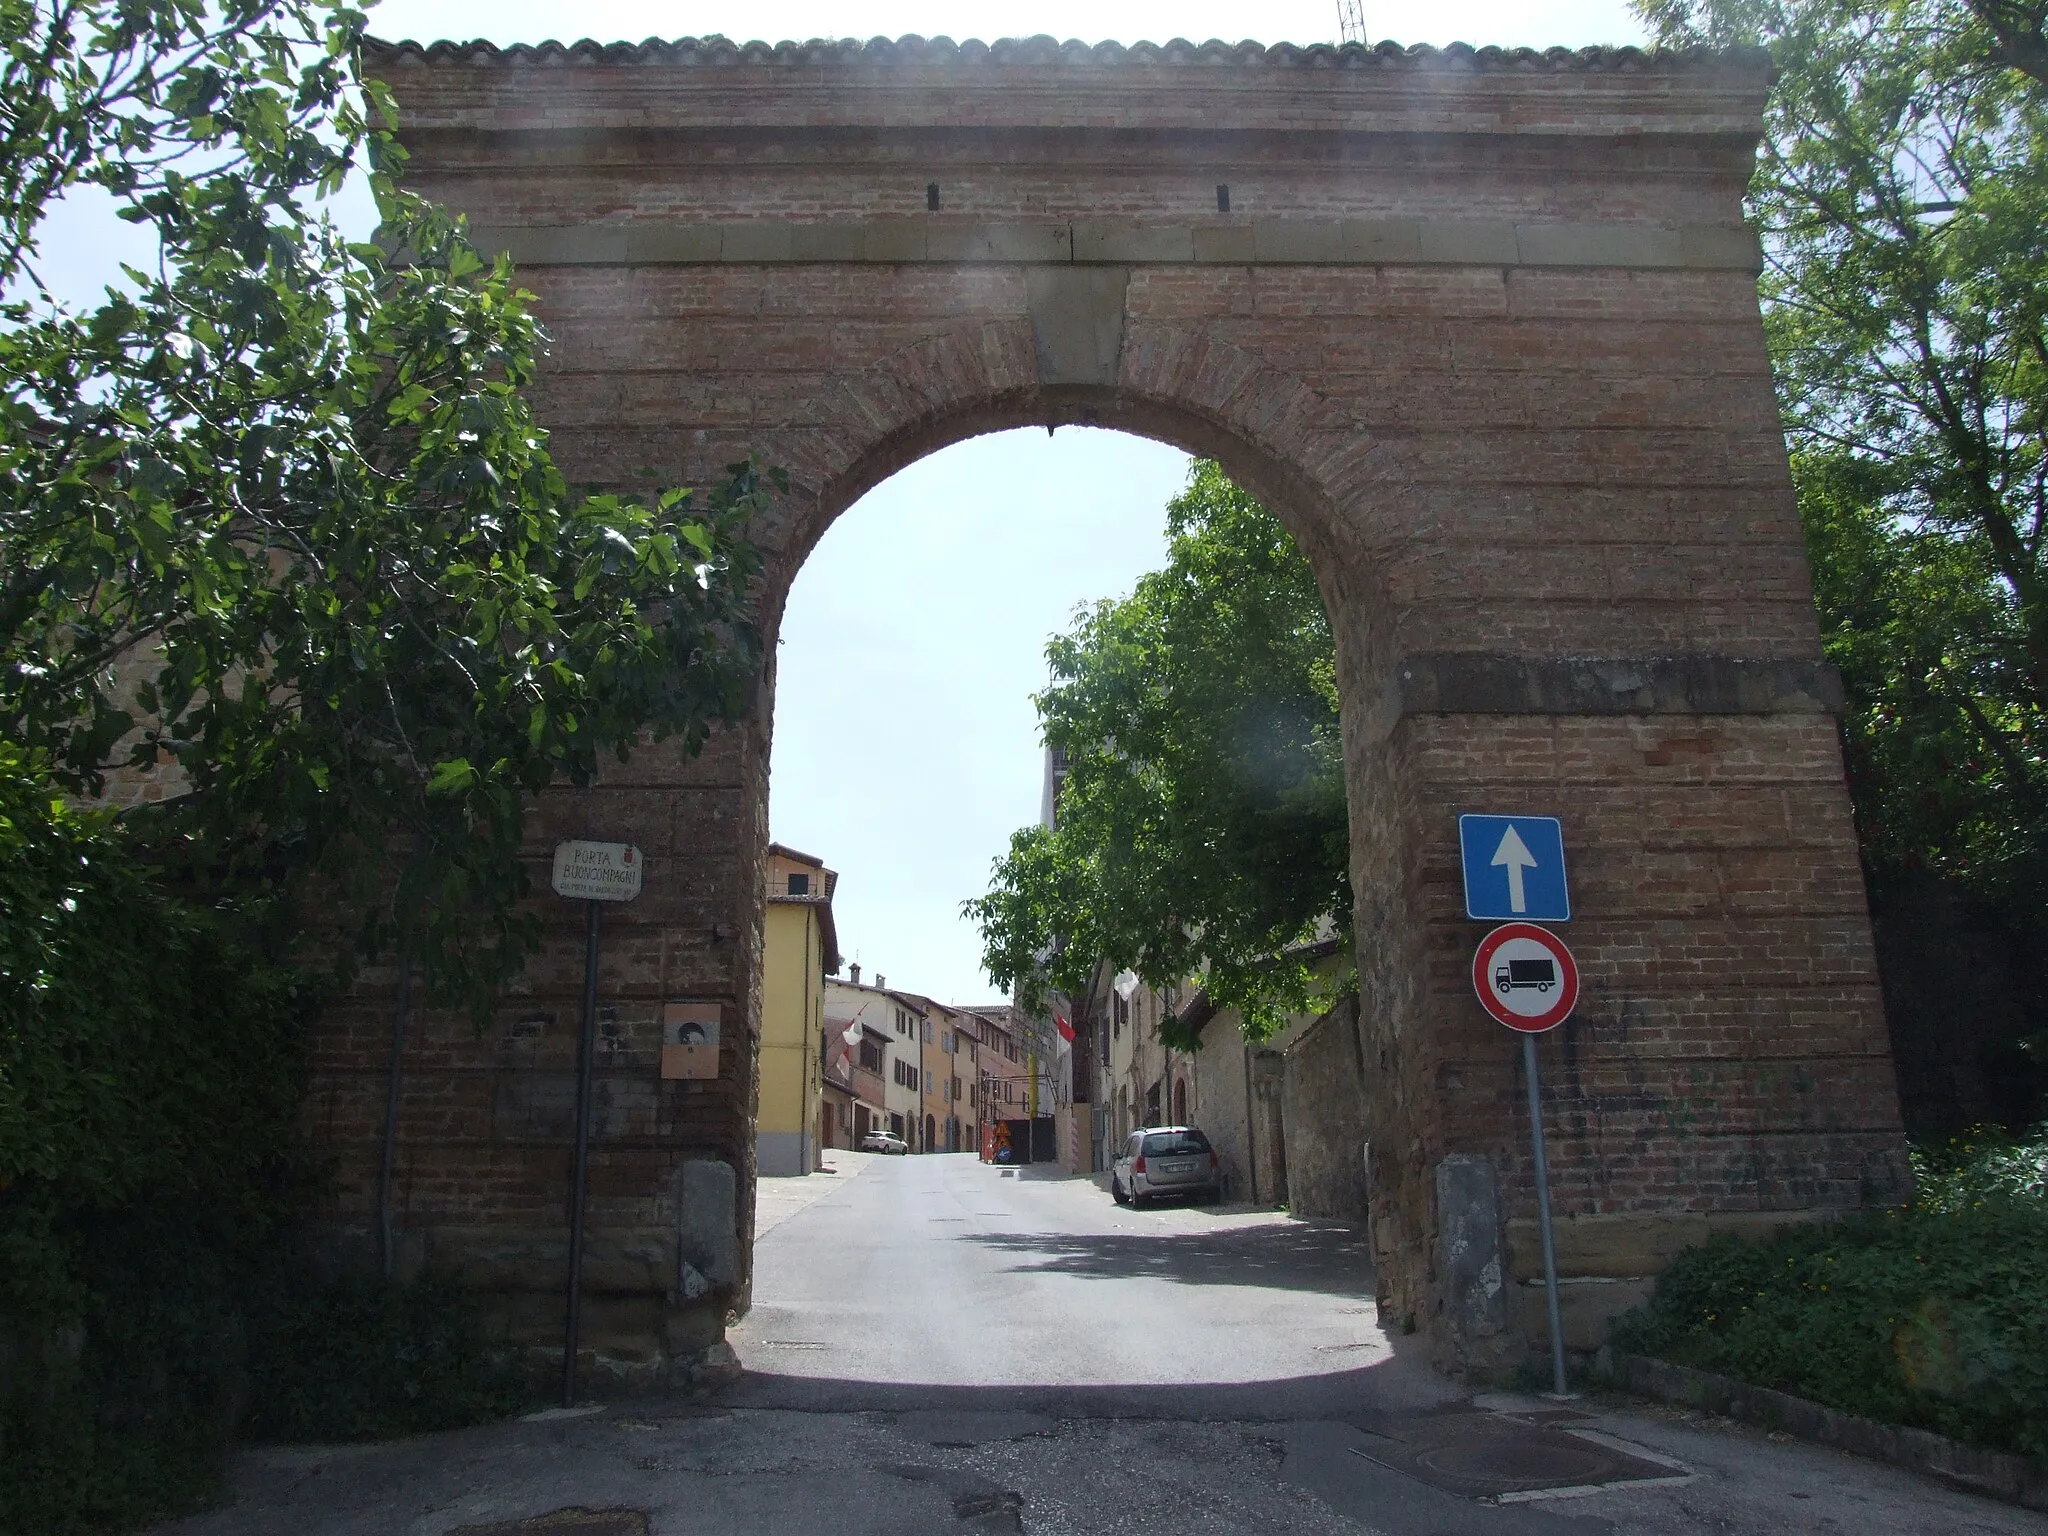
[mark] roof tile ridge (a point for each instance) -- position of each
(1042, 49)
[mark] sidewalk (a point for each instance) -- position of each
(778, 1199)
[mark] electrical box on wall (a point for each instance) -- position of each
(689, 1040)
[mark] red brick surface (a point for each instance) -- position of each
(1527, 462)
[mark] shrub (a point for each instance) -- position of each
(149, 1083)
(357, 1359)
(152, 1193)
(1933, 1316)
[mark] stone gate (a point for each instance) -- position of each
(1480, 327)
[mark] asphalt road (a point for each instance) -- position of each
(945, 1272)
(937, 1348)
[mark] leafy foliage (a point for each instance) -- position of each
(149, 1088)
(1985, 1167)
(276, 520)
(153, 1281)
(1901, 189)
(1933, 1316)
(2019, 34)
(280, 515)
(123, 1006)
(1202, 827)
(358, 1359)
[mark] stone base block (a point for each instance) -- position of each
(1632, 1246)
(1586, 1305)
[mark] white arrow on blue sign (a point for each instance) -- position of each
(1514, 867)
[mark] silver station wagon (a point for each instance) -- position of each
(1166, 1160)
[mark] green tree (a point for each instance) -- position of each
(276, 516)
(1902, 189)
(278, 511)
(149, 1094)
(2019, 34)
(1201, 830)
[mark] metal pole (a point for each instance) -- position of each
(586, 1048)
(1543, 1215)
(401, 1015)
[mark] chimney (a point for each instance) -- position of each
(881, 983)
(853, 970)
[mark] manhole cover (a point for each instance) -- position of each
(1486, 1456)
(565, 1522)
(1514, 1465)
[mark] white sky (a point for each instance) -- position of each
(906, 748)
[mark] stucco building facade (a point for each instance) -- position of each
(799, 949)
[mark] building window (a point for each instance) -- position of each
(1120, 1010)
(799, 885)
(906, 1074)
(927, 1031)
(870, 1056)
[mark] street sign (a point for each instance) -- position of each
(1525, 977)
(1514, 867)
(597, 871)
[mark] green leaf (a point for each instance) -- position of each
(453, 777)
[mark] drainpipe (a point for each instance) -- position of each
(1251, 1135)
(401, 1016)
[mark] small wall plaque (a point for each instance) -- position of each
(689, 1040)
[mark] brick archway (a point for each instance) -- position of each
(1481, 327)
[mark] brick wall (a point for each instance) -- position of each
(1481, 329)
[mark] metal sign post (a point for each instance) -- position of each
(1527, 980)
(1543, 1216)
(596, 873)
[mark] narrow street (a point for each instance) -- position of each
(944, 1272)
(939, 1346)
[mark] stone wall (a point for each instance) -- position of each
(1481, 329)
(1223, 1104)
(1324, 1112)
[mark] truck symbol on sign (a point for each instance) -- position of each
(1540, 974)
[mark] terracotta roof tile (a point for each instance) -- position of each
(1043, 51)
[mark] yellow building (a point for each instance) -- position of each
(800, 947)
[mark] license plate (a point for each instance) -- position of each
(1176, 1167)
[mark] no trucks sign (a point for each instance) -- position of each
(1525, 977)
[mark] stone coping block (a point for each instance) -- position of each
(1995, 1474)
(1246, 242)
(1482, 683)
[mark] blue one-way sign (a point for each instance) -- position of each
(1514, 867)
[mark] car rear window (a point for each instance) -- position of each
(1172, 1143)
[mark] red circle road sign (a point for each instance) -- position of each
(1525, 977)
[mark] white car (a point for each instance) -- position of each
(884, 1141)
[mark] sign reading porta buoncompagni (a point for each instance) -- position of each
(597, 871)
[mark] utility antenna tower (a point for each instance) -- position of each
(1351, 21)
